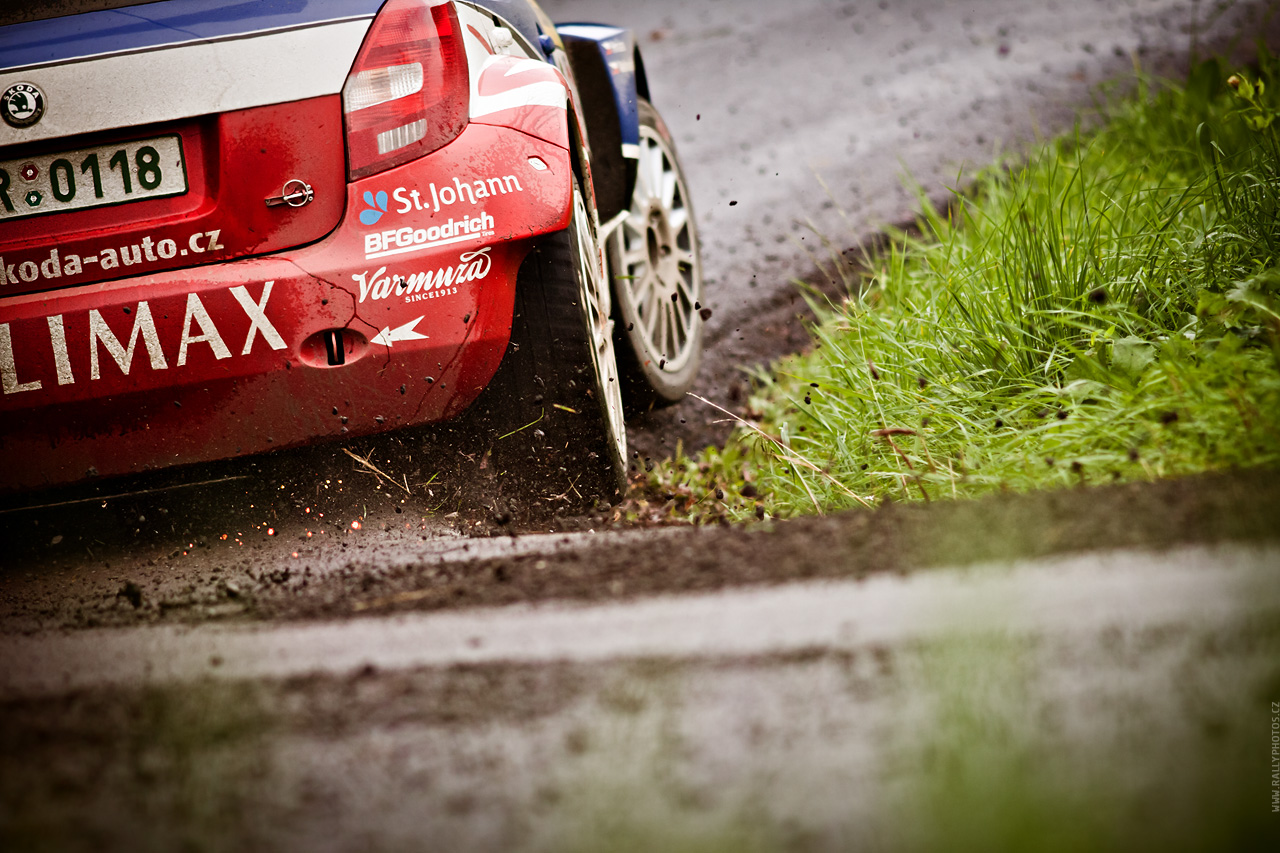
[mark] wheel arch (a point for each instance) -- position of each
(610, 79)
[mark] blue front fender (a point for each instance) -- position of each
(610, 81)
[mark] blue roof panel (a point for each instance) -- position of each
(154, 25)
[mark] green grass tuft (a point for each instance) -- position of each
(1108, 311)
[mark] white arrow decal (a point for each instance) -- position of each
(389, 336)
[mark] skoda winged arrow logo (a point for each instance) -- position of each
(377, 207)
(22, 105)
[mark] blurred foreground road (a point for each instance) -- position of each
(1001, 707)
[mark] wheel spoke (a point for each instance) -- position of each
(678, 335)
(691, 287)
(639, 301)
(668, 188)
(668, 329)
(681, 330)
(650, 299)
(653, 326)
(685, 293)
(642, 180)
(679, 220)
(653, 165)
(634, 258)
(603, 305)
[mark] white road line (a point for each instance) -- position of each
(1077, 594)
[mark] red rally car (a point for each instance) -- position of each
(232, 228)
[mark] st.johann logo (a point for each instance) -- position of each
(22, 105)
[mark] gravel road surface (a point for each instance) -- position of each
(804, 124)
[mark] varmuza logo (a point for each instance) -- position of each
(418, 286)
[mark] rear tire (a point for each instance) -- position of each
(553, 412)
(656, 269)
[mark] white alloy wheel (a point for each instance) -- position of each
(599, 316)
(657, 274)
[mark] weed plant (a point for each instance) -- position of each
(1108, 311)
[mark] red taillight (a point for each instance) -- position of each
(408, 92)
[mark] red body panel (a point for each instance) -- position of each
(235, 161)
(526, 79)
(214, 361)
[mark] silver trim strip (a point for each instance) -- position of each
(200, 78)
(177, 44)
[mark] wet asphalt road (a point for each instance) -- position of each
(797, 122)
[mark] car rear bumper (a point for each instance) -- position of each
(398, 317)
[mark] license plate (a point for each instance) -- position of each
(92, 177)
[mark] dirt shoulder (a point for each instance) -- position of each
(331, 581)
(894, 538)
